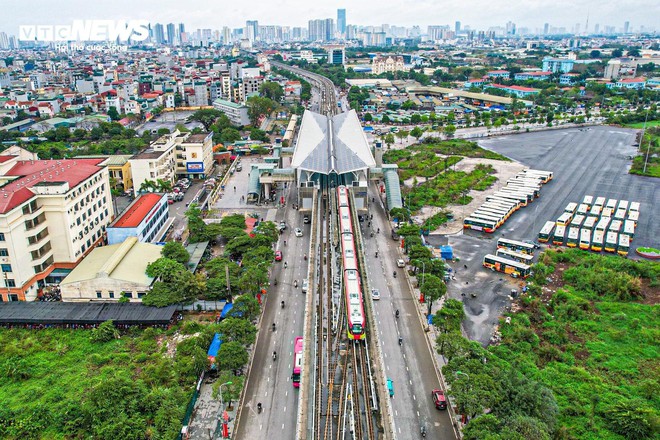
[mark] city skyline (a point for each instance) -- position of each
(531, 14)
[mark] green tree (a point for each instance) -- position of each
(163, 131)
(113, 114)
(485, 426)
(206, 117)
(175, 251)
(389, 139)
(269, 230)
(450, 316)
(105, 332)
(449, 130)
(433, 289)
(230, 392)
(62, 134)
(254, 277)
(245, 306)
(230, 135)
(617, 53)
(416, 133)
(258, 135)
(368, 117)
(271, 90)
(402, 134)
(231, 356)
(216, 289)
(166, 270)
(385, 119)
(234, 220)
(196, 225)
(259, 107)
(632, 420)
(237, 329)
(416, 118)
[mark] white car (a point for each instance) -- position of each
(305, 286)
(298, 232)
(400, 263)
(375, 294)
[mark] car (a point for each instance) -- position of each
(178, 197)
(306, 219)
(375, 294)
(390, 387)
(282, 226)
(439, 399)
(278, 255)
(400, 263)
(305, 286)
(298, 232)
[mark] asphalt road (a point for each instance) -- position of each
(589, 161)
(410, 365)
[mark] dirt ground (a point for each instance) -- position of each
(503, 171)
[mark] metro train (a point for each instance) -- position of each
(352, 286)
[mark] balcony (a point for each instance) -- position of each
(37, 240)
(31, 224)
(41, 259)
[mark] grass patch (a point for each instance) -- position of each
(652, 167)
(655, 123)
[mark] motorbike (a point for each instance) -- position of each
(376, 254)
(274, 355)
(305, 257)
(295, 283)
(397, 314)
(394, 274)
(423, 430)
(273, 326)
(259, 407)
(275, 281)
(400, 341)
(282, 304)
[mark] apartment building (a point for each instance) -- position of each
(387, 64)
(52, 213)
(155, 163)
(146, 219)
(237, 113)
(194, 155)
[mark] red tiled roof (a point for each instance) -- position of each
(5, 158)
(32, 172)
(520, 88)
(138, 211)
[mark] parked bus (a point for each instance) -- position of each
(583, 209)
(498, 199)
(623, 204)
(497, 207)
(479, 224)
(498, 220)
(596, 210)
(513, 255)
(620, 214)
(577, 221)
(602, 224)
(600, 201)
(521, 199)
(564, 219)
(546, 232)
(482, 212)
(597, 242)
(529, 196)
(624, 245)
(522, 188)
(558, 236)
(573, 237)
(544, 176)
(634, 206)
(515, 245)
(297, 361)
(633, 216)
(629, 229)
(588, 200)
(585, 239)
(615, 226)
(611, 203)
(607, 212)
(589, 222)
(509, 206)
(571, 208)
(532, 183)
(611, 240)
(504, 265)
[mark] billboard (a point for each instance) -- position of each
(195, 167)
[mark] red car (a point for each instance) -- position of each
(278, 255)
(439, 399)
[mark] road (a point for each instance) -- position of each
(410, 365)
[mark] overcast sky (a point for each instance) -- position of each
(214, 14)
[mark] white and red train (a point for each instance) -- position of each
(352, 286)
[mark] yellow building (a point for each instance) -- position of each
(120, 172)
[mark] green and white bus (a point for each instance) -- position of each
(497, 219)
(597, 242)
(629, 229)
(573, 237)
(624, 245)
(513, 255)
(514, 245)
(528, 198)
(491, 212)
(546, 232)
(479, 225)
(558, 236)
(611, 240)
(585, 239)
(589, 222)
(504, 265)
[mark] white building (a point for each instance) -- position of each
(156, 162)
(194, 155)
(237, 113)
(387, 64)
(52, 213)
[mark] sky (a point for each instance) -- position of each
(214, 14)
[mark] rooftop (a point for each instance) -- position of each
(137, 210)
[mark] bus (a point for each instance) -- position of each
(520, 187)
(590, 222)
(297, 361)
(620, 214)
(546, 232)
(633, 216)
(520, 199)
(585, 239)
(488, 212)
(513, 255)
(577, 221)
(600, 203)
(515, 245)
(607, 212)
(529, 196)
(504, 200)
(602, 224)
(611, 203)
(573, 237)
(509, 209)
(623, 204)
(597, 242)
(624, 245)
(509, 206)
(504, 265)
(532, 183)
(498, 220)
(629, 229)
(615, 226)
(634, 206)
(583, 209)
(571, 208)
(611, 240)
(596, 210)
(564, 219)
(479, 224)
(558, 236)
(588, 200)
(544, 176)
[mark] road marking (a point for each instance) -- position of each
(283, 423)
(261, 427)
(418, 414)
(414, 397)
(396, 413)
(284, 411)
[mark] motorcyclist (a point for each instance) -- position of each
(400, 340)
(259, 407)
(273, 326)
(397, 313)
(376, 254)
(282, 303)
(295, 283)
(274, 355)
(285, 265)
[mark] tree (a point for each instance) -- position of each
(389, 139)
(449, 130)
(230, 135)
(267, 229)
(165, 269)
(254, 277)
(113, 114)
(271, 90)
(62, 134)
(416, 118)
(196, 225)
(231, 356)
(105, 332)
(450, 316)
(634, 52)
(617, 53)
(402, 134)
(385, 119)
(485, 426)
(206, 117)
(245, 306)
(216, 289)
(230, 391)
(368, 117)
(433, 289)
(175, 251)
(258, 135)
(163, 131)
(632, 419)
(416, 133)
(595, 54)
(237, 329)
(259, 107)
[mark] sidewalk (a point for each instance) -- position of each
(206, 420)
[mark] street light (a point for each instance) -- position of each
(222, 408)
(464, 374)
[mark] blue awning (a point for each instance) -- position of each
(215, 345)
(226, 310)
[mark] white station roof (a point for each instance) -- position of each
(332, 144)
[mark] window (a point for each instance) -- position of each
(4, 252)
(111, 294)
(141, 294)
(6, 267)
(128, 294)
(10, 283)
(99, 294)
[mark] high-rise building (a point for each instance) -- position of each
(159, 33)
(510, 28)
(596, 28)
(252, 30)
(4, 41)
(336, 55)
(626, 27)
(341, 22)
(321, 30)
(171, 34)
(546, 29)
(457, 27)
